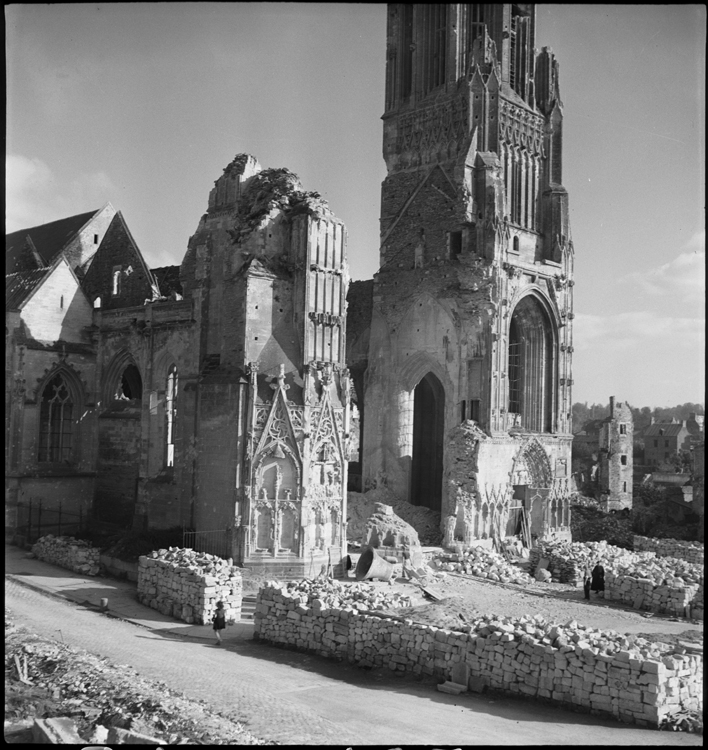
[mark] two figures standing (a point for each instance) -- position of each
(594, 580)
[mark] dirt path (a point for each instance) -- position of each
(554, 601)
(300, 699)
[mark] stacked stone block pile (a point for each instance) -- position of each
(187, 585)
(640, 579)
(624, 676)
(67, 552)
(483, 563)
(658, 584)
(568, 560)
(690, 551)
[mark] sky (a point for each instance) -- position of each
(144, 104)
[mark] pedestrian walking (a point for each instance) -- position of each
(598, 579)
(587, 580)
(219, 621)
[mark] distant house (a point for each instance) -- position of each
(664, 440)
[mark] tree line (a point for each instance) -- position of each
(585, 412)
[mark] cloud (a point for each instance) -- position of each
(35, 195)
(646, 328)
(681, 279)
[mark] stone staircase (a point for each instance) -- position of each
(248, 607)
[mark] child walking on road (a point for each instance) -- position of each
(219, 621)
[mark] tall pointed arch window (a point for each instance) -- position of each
(56, 425)
(170, 415)
(530, 367)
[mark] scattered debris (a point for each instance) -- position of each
(483, 563)
(683, 721)
(45, 679)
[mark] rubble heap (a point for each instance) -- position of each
(690, 551)
(566, 561)
(67, 552)
(390, 535)
(484, 563)
(627, 677)
(322, 594)
(425, 521)
(640, 579)
(46, 678)
(186, 585)
(272, 190)
(657, 584)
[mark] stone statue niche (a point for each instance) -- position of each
(288, 528)
(278, 477)
(264, 529)
(278, 516)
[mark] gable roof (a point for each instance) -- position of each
(664, 429)
(592, 427)
(118, 246)
(47, 239)
(19, 286)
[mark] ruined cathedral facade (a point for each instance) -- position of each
(216, 395)
(465, 370)
(212, 396)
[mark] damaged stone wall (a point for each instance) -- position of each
(481, 508)
(642, 580)
(67, 552)
(692, 552)
(627, 678)
(187, 585)
(267, 271)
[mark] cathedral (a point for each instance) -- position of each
(231, 395)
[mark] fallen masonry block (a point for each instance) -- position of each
(57, 731)
(452, 688)
(118, 736)
(477, 684)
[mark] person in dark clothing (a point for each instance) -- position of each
(598, 579)
(587, 580)
(219, 621)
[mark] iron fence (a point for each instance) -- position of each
(36, 519)
(215, 542)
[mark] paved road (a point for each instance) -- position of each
(295, 698)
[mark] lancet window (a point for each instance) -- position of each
(56, 422)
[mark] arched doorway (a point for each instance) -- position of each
(428, 427)
(120, 445)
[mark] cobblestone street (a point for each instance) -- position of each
(296, 698)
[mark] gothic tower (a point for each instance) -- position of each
(267, 271)
(468, 389)
(616, 456)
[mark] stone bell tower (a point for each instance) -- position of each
(468, 390)
(267, 269)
